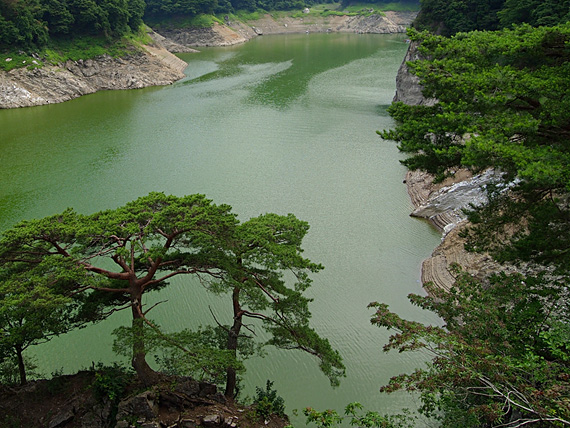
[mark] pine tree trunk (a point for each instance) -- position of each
(21, 366)
(231, 374)
(144, 372)
(233, 334)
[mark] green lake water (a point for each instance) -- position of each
(280, 124)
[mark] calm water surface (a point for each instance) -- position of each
(280, 124)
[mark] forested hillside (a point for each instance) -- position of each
(502, 357)
(31, 23)
(450, 17)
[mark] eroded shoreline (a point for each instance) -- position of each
(156, 65)
(442, 204)
(151, 66)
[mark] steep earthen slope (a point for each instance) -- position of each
(151, 66)
(235, 32)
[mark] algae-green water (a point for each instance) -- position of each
(283, 124)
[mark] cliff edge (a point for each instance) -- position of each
(442, 204)
(94, 399)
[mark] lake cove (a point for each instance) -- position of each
(279, 124)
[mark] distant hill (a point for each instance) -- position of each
(33, 24)
(449, 17)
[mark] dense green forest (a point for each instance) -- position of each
(449, 17)
(31, 23)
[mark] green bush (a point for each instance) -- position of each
(111, 381)
(267, 402)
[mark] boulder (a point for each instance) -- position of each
(212, 420)
(144, 406)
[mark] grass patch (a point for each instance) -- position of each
(244, 15)
(385, 7)
(142, 37)
(328, 12)
(204, 21)
(277, 14)
(338, 13)
(60, 50)
(12, 60)
(198, 21)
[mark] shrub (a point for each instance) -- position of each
(111, 381)
(267, 402)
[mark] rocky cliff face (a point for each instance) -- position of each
(445, 204)
(408, 88)
(442, 204)
(53, 84)
(217, 35)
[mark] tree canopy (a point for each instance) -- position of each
(31, 23)
(503, 102)
(36, 304)
(450, 17)
(134, 249)
(500, 359)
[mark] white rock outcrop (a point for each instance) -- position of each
(445, 206)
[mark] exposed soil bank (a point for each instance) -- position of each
(235, 32)
(54, 84)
